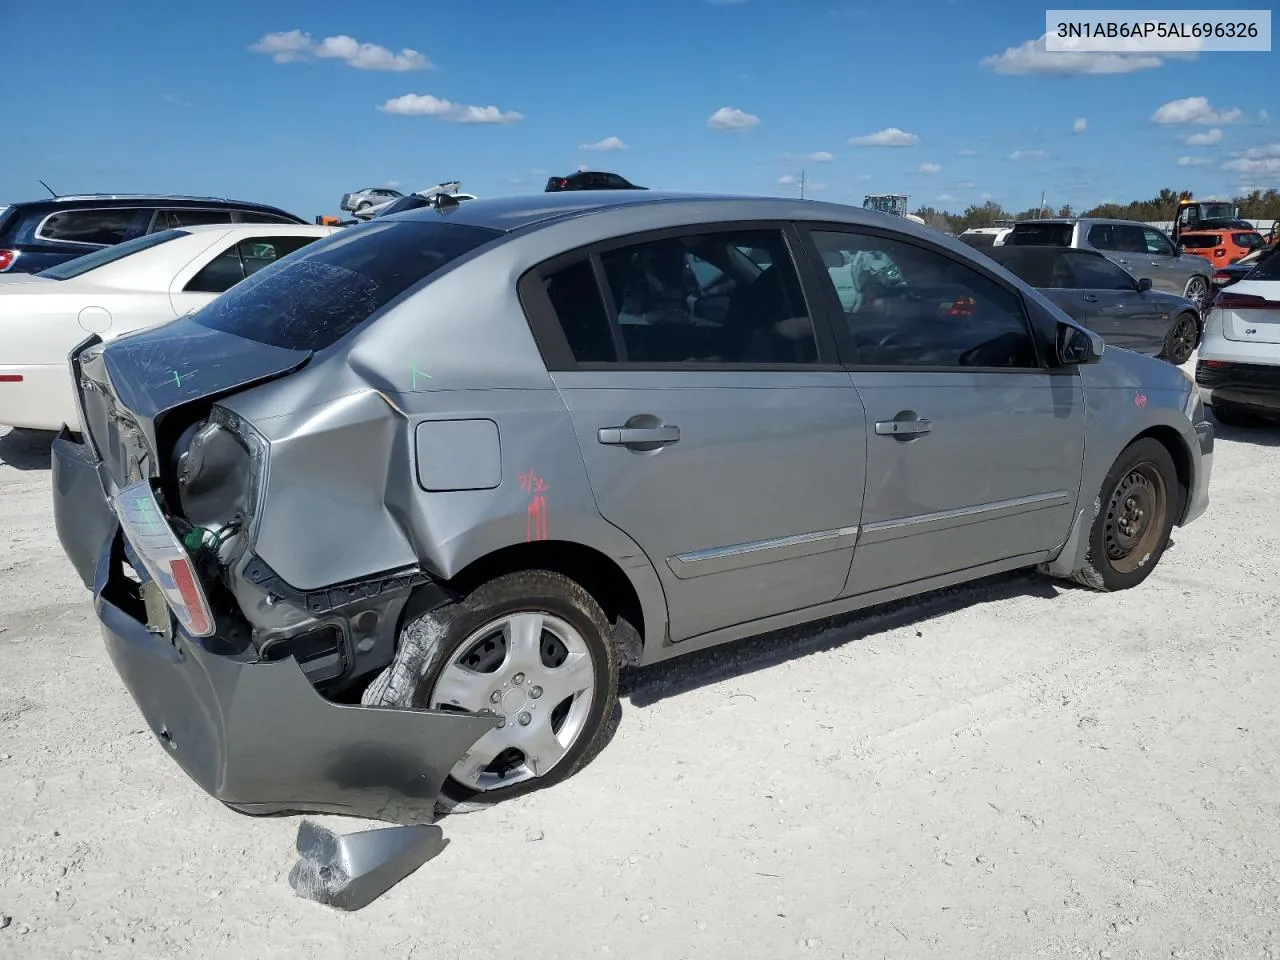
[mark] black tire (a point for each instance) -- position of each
(1182, 339)
(1122, 554)
(364, 207)
(431, 641)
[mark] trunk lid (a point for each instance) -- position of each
(1250, 311)
(130, 388)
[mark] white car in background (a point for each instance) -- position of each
(1238, 369)
(116, 290)
(450, 188)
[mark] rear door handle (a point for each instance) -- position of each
(903, 428)
(629, 435)
(1089, 298)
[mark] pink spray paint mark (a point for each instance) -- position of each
(535, 524)
(1140, 400)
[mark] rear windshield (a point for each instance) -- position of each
(1268, 267)
(313, 298)
(100, 258)
(979, 239)
(1040, 235)
(1201, 242)
(1250, 241)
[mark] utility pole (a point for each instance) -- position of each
(801, 184)
(1041, 210)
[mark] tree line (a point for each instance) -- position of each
(1258, 205)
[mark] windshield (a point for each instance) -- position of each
(1213, 211)
(1040, 235)
(313, 298)
(100, 258)
(1202, 241)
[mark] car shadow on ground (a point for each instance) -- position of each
(26, 449)
(1261, 433)
(645, 686)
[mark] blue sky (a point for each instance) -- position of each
(294, 102)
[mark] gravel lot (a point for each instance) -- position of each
(1015, 769)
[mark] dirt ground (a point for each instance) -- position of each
(1015, 769)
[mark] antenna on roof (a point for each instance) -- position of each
(50, 189)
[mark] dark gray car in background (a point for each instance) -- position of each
(1108, 300)
(386, 519)
(1141, 249)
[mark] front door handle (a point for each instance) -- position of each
(903, 428)
(1089, 298)
(627, 436)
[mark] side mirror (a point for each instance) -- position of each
(1144, 284)
(1076, 346)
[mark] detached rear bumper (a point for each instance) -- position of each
(1198, 495)
(255, 735)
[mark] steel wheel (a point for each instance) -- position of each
(1182, 339)
(1197, 290)
(535, 672)
(1135, 518)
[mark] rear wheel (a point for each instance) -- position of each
(1181, 340)
(534, 649)
(1137, 506)
(1197, 290)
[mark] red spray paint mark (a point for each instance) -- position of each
(535, 525)
(1140, 400)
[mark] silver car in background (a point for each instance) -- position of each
(363, 201)
(1144, 251)
(419, 491)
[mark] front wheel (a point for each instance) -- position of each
(1137, 505)
(1181, 340)
(534, 649)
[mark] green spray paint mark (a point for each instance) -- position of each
(148, 517)
(413, 367)
(177, 378)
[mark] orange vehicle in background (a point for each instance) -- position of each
(1221, 247)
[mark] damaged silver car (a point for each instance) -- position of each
(380, 525)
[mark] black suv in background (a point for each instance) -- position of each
(590, 180)
(39, 234)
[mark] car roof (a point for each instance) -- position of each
(123, 199)
(518, 212)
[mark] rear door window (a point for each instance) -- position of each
(313, 300)
(1157, 244)
(1041, 235)
(101, 227)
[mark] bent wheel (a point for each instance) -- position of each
(1140, 498)
(532, 648)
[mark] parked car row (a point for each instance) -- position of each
(466, 464)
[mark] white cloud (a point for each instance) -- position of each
(1193, 161)
(1032, 57)
(731, 118)
(1206, 139)
(608, 143)
(966, 184)
(1256, 153)
(986, 196)
(888, 137)
(946, 198)
(1193, 110)
(786, 180)
(1268, 166)
(425, 105)
(929, 168)
(296, 45)
(820, 156)
(863, 177)
(967, 153)
(1080, 126)
(284, 47)
(1028, 155)
(392, 184)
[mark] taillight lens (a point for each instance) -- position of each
(1222, 277)
(164, 556)
(7, 257)
(1229, 300)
